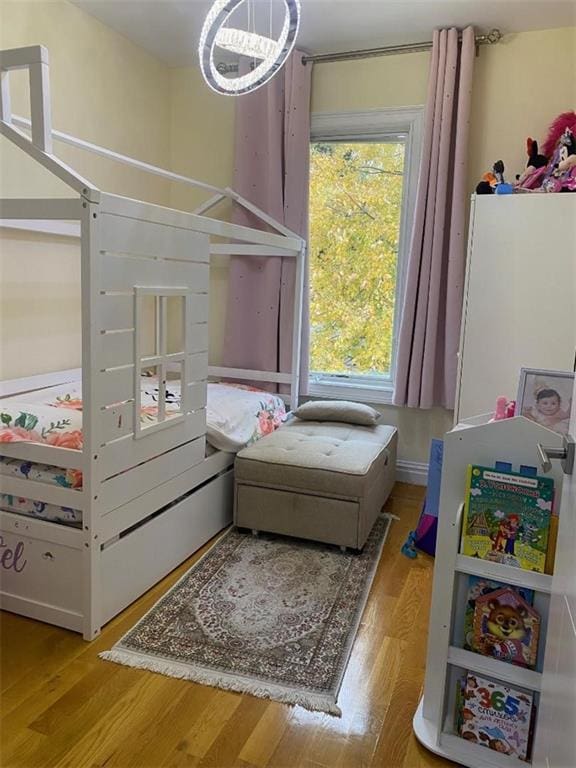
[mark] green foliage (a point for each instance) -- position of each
(355, 206)
(26, 420)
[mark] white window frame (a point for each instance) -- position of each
(374, 125)
(161, 359)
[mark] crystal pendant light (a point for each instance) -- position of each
(267, 53)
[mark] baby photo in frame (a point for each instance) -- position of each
(546, 398)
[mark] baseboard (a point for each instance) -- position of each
(414, 472)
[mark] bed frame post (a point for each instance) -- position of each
(92, 597)
(35, 60)
(297, 327)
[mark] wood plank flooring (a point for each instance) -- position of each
(62, 706)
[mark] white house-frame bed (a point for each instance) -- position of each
(150, 495)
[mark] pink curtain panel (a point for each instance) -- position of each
(272, 138)
(432, 308)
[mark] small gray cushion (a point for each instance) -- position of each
(338, 410)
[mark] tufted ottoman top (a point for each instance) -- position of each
(325, 457)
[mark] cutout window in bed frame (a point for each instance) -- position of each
(160, 352)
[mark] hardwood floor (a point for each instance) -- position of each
(63, 706)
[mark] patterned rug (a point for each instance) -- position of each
(271, 616)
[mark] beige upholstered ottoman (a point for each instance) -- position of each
(325, 481)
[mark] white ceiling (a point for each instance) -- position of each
(169, 29)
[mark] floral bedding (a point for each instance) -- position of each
(236, 415)
(54, 416)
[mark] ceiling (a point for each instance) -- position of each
(169, 29)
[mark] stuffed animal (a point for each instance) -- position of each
(556, 131)
(559, 174)
(494, 183)
(561, 171)
(535, 162)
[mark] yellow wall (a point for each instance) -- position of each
(201, 136)
(376, 83)
(40, 328)
(105, 89)
(202, 146)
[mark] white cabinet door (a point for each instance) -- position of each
(555, 742)
(519, 307)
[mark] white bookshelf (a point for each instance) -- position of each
(475, 441)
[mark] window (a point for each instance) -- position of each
(161, 348)
(363, 172)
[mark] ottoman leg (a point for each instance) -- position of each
(254, 532)
(343, 548)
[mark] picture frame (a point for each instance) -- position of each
(545, 397)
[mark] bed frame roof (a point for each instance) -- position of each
(40, 147)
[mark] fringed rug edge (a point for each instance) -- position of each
(310, 701)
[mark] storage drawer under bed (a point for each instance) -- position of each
(41, 563)
(137, 561)
(40, 578)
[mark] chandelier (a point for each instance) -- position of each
(267, 53)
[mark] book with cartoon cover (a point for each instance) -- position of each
(506, 627)
(479, 586)
(507, 517)
(496, 716)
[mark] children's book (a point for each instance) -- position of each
(496, 716)
(460, 689)
(506, 627)
(507, 517)
(477, 587)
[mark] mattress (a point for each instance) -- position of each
(41, 473)
(236, 415)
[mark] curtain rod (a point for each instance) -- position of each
(494, 36)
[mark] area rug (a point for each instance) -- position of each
(271, 616)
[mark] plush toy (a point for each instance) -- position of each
(556, 131)
(502, 187)
(536, 161)
(409, 548)
(559, 174)
(561, 171)
(494, 183)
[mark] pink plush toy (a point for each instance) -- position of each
(501, 406)
(556, 130)
(559, 173)
(504, 408)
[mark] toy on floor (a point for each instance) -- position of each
(424, 537)
(408, 547)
